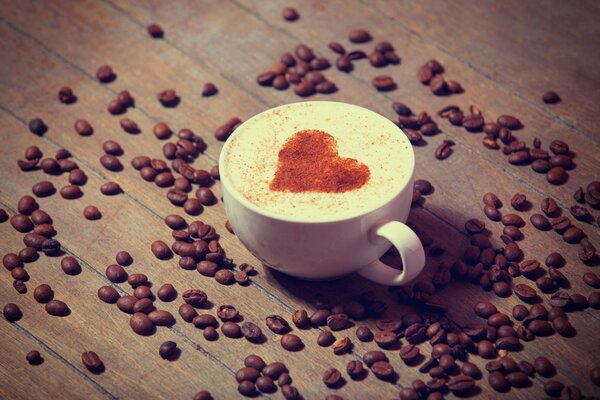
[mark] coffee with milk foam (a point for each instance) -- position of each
(318, 160)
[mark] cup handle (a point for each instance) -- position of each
(411, 251)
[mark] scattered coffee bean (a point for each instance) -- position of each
(57, 308)
(551, 97)
(156, 32)
(384, 83)
(277, 324)
(359, 36)
(91, 361)
(12, 312)
(544, 367)
(105, 74)
(141, 324)
(168, 98)
(291, 342)
(37, 126)
(325, 339)
(290, 14)
(43, 293)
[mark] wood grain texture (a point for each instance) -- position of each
(44, 57)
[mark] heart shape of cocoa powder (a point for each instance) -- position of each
(309, 162)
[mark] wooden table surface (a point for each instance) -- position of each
(505, 55)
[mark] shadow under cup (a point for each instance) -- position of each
(323, 249)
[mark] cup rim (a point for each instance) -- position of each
(227, 185)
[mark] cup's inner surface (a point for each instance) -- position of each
(316, 161)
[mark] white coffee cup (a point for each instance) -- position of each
(334, 247)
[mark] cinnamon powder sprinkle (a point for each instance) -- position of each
(309, 162)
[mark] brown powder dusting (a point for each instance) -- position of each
(309, 162)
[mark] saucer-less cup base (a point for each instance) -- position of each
(329, 249)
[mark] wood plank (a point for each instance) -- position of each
(53, 371)
(298, 292)
(525, 48)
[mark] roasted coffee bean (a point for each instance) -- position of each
(145, 302)
(319, 317)
(92, 213)
(444, 150)
(224, 277)
(231, 330)
(386, 338)
(573, 235)
(510, 122)
(116, 274)
(291, 342)
(332, 377)
(383, 83)
(438, 85)
(474, 225)
(12, 312)
(273, 370)
(525, 292)
(168, 98)
(498, 382)
(485, 309)
(559, 147)
(355, 369)
(21, 223)
(300, 318)
(518, 379)
(91, 361)
(195, 297)
(540, 327)
(141, 324)
(513, 252)
(359, 36)
(562, 160)
(460, 384)
(112, 147)
(277, 324)
(409, 353)
(512, 220)
(325, 339)
(540, 222)
(550, 97)
(110, 189)
(70, 192)
(34, 357)
(473, 122)
(560, 224)
(553, 388)
(251, 331)
(111, 162)
(57, 308)
(364, 334)
(108, 294)
(401, 109)
(105, 74)
(37, 126)
(161, 318)
(127, 303)
(342, 346)
(43, 293)
(587, 251)
(338, 322)
(528, 267)
(371, 357)
(382, 370)
(160, 250)
(155, 32)
(424, 74)
(557, 175)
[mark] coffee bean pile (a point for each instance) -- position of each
(303, 71)
(431, 73)
(518, 153)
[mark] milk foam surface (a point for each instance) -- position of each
(252, 154)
